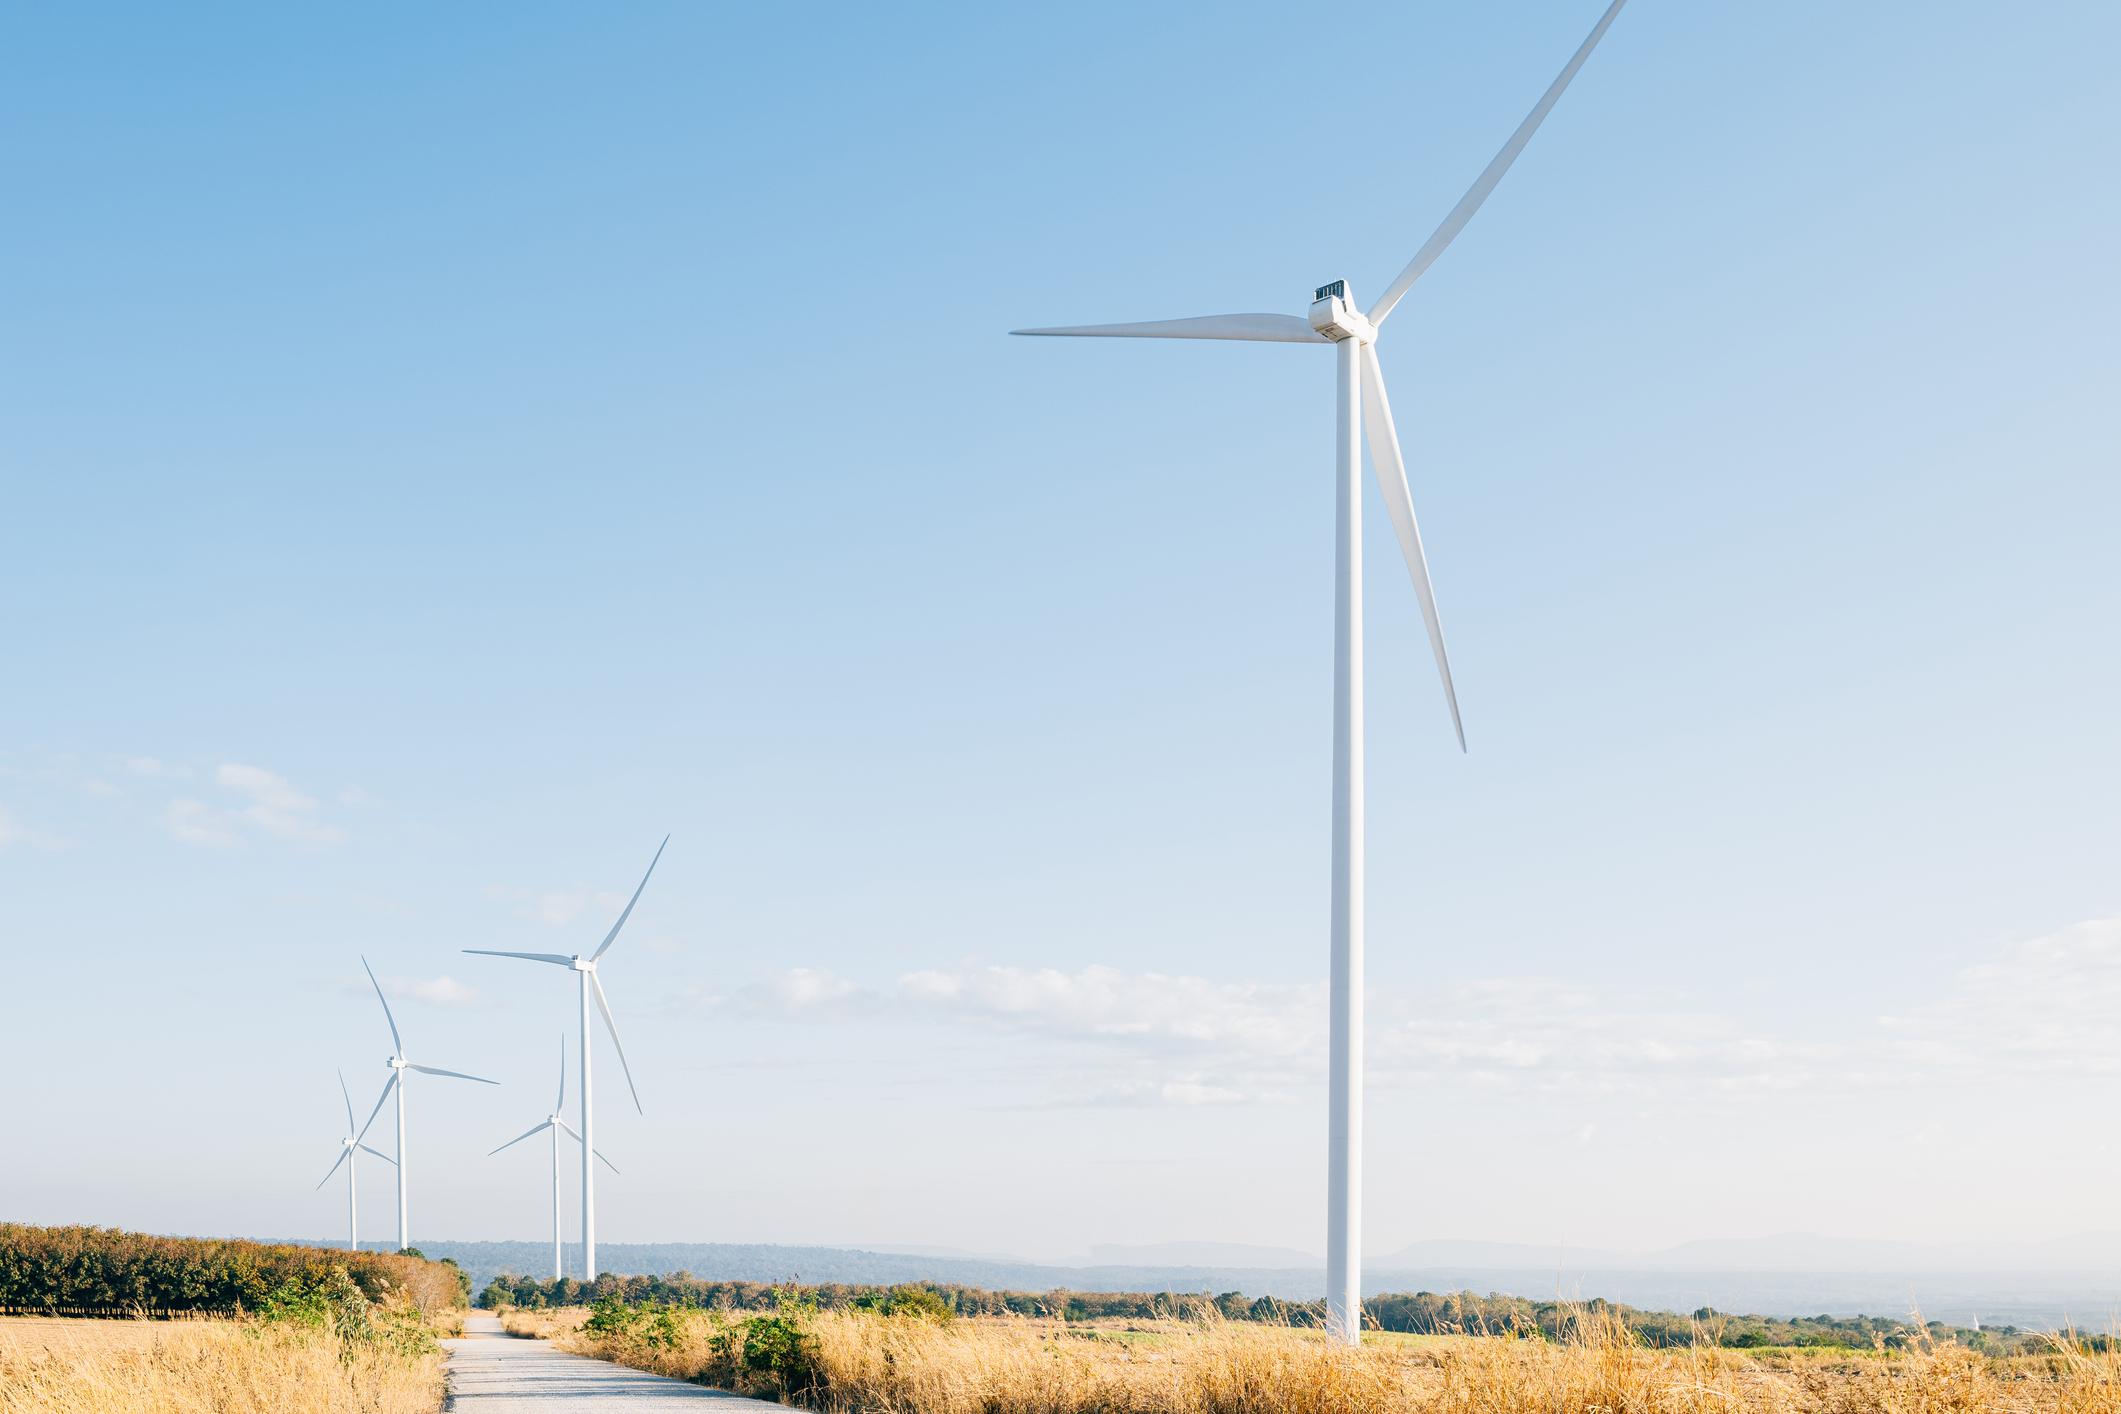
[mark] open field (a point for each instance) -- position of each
(844, 1361)
(206, 1365)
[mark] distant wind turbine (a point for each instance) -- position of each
(1360, 393)
(586, 976)
(558, 1126)
(351, 1142)
(398, 1068)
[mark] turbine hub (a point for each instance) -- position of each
(584, 964)
(1333, 314)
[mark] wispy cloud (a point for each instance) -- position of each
(2045, 1007)
(558, 908)
(14, 832)
(253, 802)
(436, 991)
(2040, 1008)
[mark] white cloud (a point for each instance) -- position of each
(256, 802)
(801, 987)
(2045, 1007)
(196, 822)
(13, 831)
(275, 807)
(437, 991)
(2040, 1009)
(1262, 1018)
(558, 908)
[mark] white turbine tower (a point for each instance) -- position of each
(1360, 389)
(351, 1142)
(558, 1126)
(398, 1068)
(585, 969)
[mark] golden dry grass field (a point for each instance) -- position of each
(204, 1366)
(874, 1364)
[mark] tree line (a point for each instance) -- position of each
(108, 1271)
(1423, 1313)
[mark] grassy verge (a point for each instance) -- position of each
(844, 1361)
(211, 1365)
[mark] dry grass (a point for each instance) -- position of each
(203, 1366)
(886, 1365)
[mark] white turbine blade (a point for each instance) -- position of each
(1399, 503)
(612, 1026)
(609, 937)
(452, 1074)
(386, 1006)
(349, 1101)
(1478, 192)
(1245, 328)
(561, 1103)
(379, 1154)
(388, 1086)
(568, 1130)
(343, 1152)
(552, 957)
(534, 1129)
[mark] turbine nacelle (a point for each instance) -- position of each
(1334, 315)
(582, 964)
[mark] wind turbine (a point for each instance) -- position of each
(351, 1142)
(558, 1126)
(398, 1067)
(586, 977)
(1359, 392)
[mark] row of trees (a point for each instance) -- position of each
(98, 1270)
(1425, 1312)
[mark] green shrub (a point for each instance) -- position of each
(779, 1348)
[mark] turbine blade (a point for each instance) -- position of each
(568, 1130)
(534, 1129)
(1246, 328)
(552, 957)
(612, 1026)
(388, 1086)
(343, 1152)
(1478, 192)
(452, 1074)
(386, 1006)
(349, 1101)
(605, 946)
(1399, 503)
(380, 1154)
(561, 1103)
(604, 1161)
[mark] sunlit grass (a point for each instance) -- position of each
(205, 1366)
(859, 1362)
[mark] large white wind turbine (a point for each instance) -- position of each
(558, 1126)
(399, 1066)
(351, 1142)
(585, 969)
(1360, 391)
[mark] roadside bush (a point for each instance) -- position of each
(107, 1271)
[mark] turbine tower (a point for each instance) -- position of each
(1359, 395)
(351, 1142)
(399, 1067)
(585, 969)
(558, 1126)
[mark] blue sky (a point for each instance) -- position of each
(444, 451)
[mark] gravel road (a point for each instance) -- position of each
(493, 1373)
